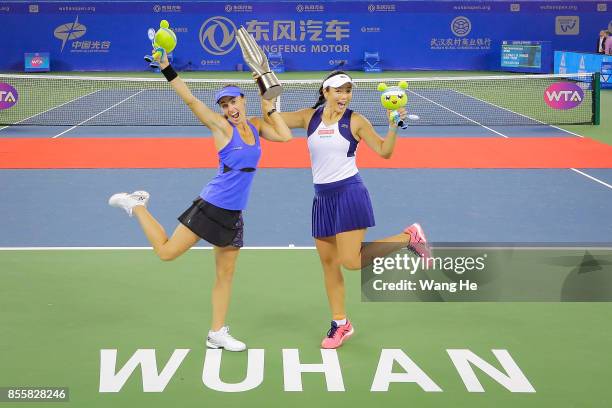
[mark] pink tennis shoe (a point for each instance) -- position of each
(337, 335)
(418, 242)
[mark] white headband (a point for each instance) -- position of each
(337, 81)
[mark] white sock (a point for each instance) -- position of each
(340, 322)
(215, 332)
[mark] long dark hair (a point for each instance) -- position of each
(321, 100)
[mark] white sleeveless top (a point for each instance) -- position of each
(332, 148)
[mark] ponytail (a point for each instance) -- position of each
(321, 99)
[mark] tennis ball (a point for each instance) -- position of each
(166, 39)
(164, 24)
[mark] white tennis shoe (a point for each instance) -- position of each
(128, 201)
(222, 339)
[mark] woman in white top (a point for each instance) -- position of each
(342, 210)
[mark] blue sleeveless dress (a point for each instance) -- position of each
(237, 163)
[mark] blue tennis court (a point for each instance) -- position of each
(500, 154)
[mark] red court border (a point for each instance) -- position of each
(94, 153)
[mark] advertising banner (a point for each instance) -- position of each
(576, 62)
(112, 36)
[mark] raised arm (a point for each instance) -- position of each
(293, 120)
(273, 127)
(363, 130)
(211, 119)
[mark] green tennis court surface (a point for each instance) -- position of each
(59, 309)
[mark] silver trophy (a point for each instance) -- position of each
(269, 86)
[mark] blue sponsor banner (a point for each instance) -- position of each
(606, 74)
(567, 62)
(112, 36)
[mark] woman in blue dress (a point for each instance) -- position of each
(216, 215)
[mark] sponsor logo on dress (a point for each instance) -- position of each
(325, 132)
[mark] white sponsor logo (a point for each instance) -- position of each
(218, 35)
(461, 26)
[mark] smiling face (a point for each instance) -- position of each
(394, 98)
(234, 108)
(338, 98)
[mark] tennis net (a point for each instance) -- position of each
(505, 100)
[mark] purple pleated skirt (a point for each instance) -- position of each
(341, 206)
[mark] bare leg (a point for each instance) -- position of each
(349, 248)
(334, 281)
(167, 249)
(225, 263)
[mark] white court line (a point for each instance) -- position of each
(516, 113)
(50, 109)
(457, 113)
(98, 114)
(592, 178)
(291, 248)
(564, 130)
(556, 127)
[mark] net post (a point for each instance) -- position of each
(596, 98)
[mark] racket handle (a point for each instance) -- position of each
(395, 116)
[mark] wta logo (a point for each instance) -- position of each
(8, 96)
(218, 35)
(36, 61)
(563, 95)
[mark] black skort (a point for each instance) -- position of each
(216, 225)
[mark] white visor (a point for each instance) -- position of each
(337, 81)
